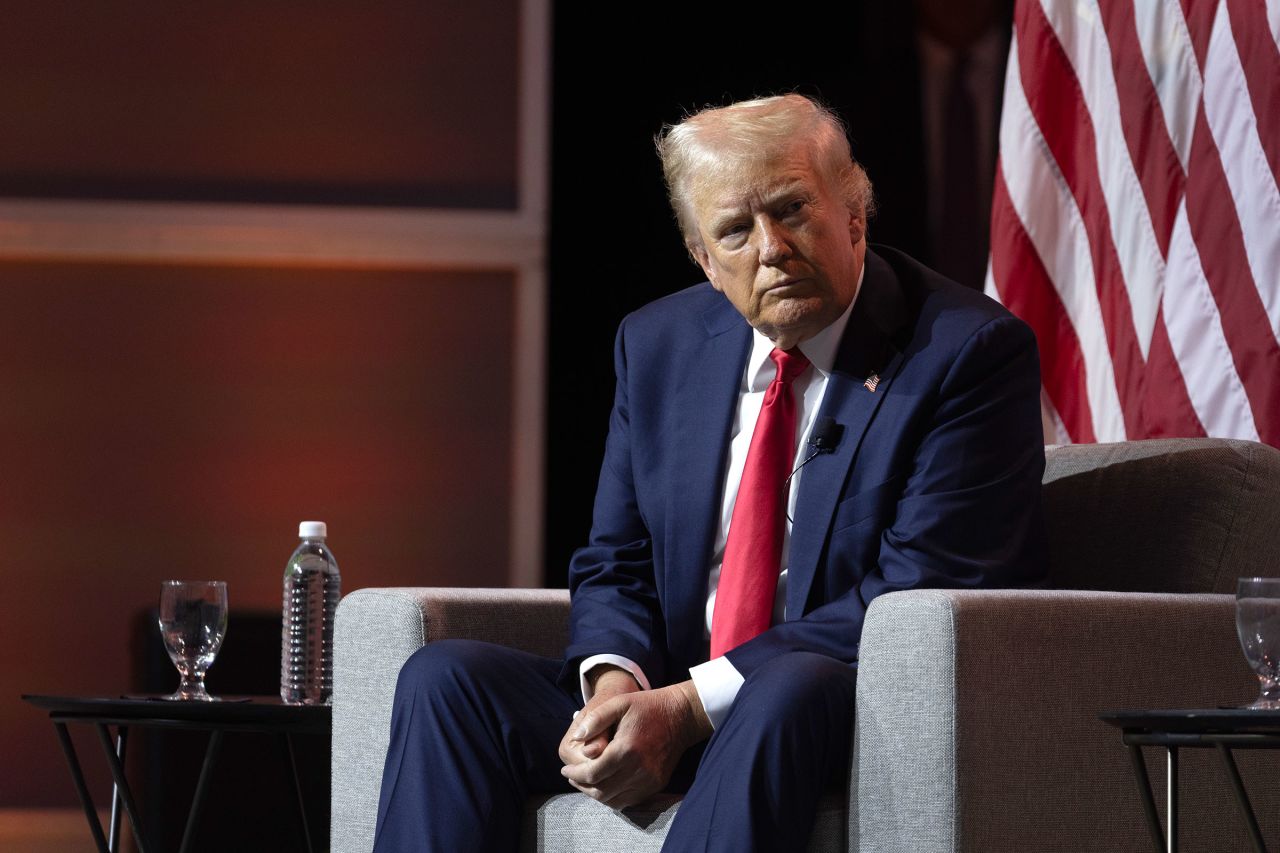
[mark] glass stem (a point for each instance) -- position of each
(191, 683)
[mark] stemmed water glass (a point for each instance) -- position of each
(1258, 625)
(193, 621)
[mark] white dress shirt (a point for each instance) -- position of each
(717, 681)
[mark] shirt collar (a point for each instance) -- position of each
(820, 349)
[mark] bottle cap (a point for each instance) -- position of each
(312, 530)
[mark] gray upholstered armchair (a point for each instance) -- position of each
(977, 723)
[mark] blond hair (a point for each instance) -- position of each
(715, 140)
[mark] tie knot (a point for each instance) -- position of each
(791, 363)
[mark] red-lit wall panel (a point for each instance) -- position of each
(394, 102)
(160, 422)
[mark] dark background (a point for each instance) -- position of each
(614, 245)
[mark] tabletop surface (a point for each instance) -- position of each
(1196, 720)
(267, 710)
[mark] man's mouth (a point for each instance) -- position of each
(782, 288)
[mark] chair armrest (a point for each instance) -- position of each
(977, 720)
(375, 633)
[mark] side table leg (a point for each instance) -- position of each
(1242, 798)
(202, 786)
(69, 750)
(122, 785)
(297, 789)
(1148, 798)
(122, 743)
(1171, 843)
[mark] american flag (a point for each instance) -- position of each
(1136, 214)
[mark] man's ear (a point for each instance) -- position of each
(698, 253)
(857, 228)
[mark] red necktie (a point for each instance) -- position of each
(753, 552)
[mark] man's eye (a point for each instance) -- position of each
(794, 207)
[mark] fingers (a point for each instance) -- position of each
(594, 747)
(621, 750)
(615, 800)
(580, 743)
(617, 788)
(594, 773)
(589, 735)
(619, 800)
(598, 720)
(616, 772)
(575, 751)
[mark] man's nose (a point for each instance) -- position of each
(775, 243)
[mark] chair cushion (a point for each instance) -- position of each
(575, 823)
(1168, 515)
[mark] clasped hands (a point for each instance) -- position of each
(624, 745)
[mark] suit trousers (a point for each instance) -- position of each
(475, 730)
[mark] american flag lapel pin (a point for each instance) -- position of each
(872, 381)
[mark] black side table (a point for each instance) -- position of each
(259, 714)
(1220, 729)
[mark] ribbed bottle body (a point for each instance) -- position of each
(312, 587)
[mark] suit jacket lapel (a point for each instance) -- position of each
(707, 401)
(866, 351)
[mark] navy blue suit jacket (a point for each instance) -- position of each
(935, 481)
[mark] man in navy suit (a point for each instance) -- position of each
(911, 444)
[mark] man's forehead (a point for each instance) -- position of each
(743, 180)
(780, 186)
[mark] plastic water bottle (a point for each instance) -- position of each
(312, 587)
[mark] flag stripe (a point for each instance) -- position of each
(1062, 115)
(1199, 15)
(1171, 65)
(1200, 342)
(1167, 410)
(1141, 262)
(1043, 204)
(1062, 366)
(1165, 407)
(1142, 118)
(1214, 225)
(1136, 217)
(1260, 58)
(1249, 178)
(1193, 326)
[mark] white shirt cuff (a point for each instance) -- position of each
(617, 660)
(717, 683)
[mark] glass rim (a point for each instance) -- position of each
(1255, 587)
(192, 583)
